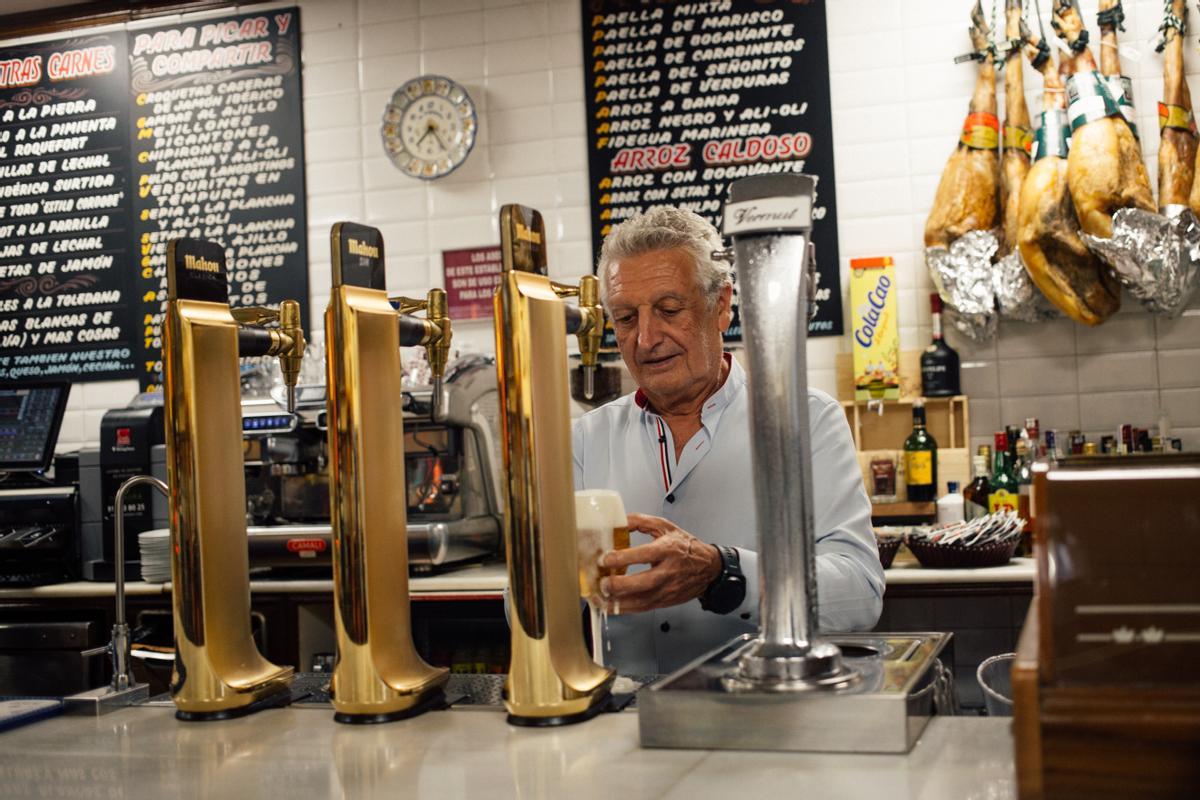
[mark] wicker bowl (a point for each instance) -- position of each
(888, 545)
(950, 556)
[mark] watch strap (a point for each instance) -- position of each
(728, 590)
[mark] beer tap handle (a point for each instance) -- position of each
(255, 315)
(287, 341)
(590, 335)
(434, 332)
(292, 356)
(438, 348)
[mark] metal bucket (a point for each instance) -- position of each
(995, 678)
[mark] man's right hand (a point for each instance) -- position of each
(681, 568)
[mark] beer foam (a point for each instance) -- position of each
(596, 509)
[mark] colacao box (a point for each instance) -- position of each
(874, 329)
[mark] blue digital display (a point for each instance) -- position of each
(268, 423)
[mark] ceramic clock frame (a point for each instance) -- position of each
(429, 127)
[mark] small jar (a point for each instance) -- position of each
(883, 480)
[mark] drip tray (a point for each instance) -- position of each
(883, 709)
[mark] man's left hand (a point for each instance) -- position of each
(681, 568)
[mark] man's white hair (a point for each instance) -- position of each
(666, 228)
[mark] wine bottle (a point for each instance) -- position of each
(939, 363)
(920, 460)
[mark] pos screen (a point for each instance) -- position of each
(30, 415)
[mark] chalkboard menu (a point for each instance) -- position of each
(112, 144)
(218, 150)
(684, 97)
(64, 211)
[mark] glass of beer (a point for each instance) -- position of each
(602, 526)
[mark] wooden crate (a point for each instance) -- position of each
(946, 418)
(954, 464)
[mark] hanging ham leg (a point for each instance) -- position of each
(1014, 163)
(1057, 260)
(1104, 169)
(1177, 146)
(966, 195)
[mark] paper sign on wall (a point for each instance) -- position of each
(471, 277)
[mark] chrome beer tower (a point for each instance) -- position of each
(788, 688)
(218, 671)
(551, 678)
(378, 675)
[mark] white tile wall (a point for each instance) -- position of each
(897, 104)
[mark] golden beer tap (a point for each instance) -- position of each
(589, 328)
(435, 335)
(378, 675)
(218, 671)
(286, 342)
(551, 678)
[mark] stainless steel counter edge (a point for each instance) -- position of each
(302, 753)
(489, 580)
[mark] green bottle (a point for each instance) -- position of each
(920, 460)
(1005, 490)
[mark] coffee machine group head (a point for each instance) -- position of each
(551, 680)
(378, 675)
(218, 671)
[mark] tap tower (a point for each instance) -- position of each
(551, 679)
(218, 672)
(378, 676)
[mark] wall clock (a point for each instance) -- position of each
(429, 127)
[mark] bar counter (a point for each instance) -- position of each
(489, 580)
(299, 753)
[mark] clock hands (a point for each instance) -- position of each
(431, 127)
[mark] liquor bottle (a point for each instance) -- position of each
(950, 506)
(1024, 474)
(1033, 434)
(1004, 491)
(920, 460)
(1052, 454)
(939, 363)
(975, 496)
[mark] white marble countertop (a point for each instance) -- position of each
(487, 581)
(1019, 570)
(299, 753)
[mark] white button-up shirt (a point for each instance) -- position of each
(708, 492)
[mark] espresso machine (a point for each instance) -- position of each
(218, 672)
(551, 678)
(378, 675)
(789, 687)
(1106, 700)
(451, 476)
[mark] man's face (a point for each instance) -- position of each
(668, 335)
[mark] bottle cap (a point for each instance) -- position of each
(1001, 440)
(935, 303)
(952, 486)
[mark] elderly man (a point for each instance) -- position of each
(678, 451)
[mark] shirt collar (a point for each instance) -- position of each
(717, 402)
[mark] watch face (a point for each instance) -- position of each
(429, 127)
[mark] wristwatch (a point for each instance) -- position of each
(728, 590)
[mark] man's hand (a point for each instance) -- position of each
(681, 568)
